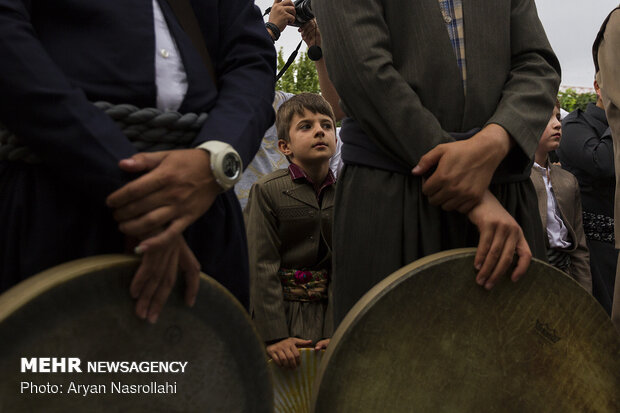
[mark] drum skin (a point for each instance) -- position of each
(83, 309)
(429, 339)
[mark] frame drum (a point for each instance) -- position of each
(428, 338)
(83, 310)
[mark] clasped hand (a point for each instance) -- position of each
(463, 168)
(177, 187)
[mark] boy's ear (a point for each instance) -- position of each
(284, 147)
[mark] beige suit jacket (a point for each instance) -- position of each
(285, 225)
(608, 79)
(568, 198)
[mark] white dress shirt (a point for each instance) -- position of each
(556, 230)
(170, 76)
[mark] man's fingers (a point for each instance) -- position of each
(162, 292)
(524, 258)
(136, 189)
(484, 245)
(430, 159)
(492, 256)
(164, 238)
(149, 223)
(504, 262)
(142, 161)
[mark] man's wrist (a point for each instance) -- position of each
(274, 30)
(225, 162)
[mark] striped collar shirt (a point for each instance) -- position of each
(297, 173)
(452, 13)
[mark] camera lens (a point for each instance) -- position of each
(303, 12)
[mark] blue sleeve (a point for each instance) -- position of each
(245, 67)
(54, 118)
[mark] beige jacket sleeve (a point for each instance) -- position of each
(266, 297)
(608, 79)
(580, 256)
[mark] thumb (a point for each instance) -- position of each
(143, 161)
(426, 162)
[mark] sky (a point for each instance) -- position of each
(571, 26)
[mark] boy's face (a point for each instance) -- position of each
(312, 139)
(550, 139)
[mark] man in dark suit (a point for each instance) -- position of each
(61, 56)
(463, 86)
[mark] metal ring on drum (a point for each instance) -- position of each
(83, 310)
(429, 339)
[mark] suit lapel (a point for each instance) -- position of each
(302, 192)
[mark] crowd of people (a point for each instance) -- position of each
(448, 110)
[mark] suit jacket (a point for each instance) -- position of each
(285, 226)
(587, 152)
(607, 78)
(566, 191)
(59, 57)
(395, 70)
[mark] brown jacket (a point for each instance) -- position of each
(568, 198)
(285, 225)
(608, 79)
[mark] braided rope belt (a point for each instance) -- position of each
(148, 129)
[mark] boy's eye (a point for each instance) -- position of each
(327, 125)
(304, 126)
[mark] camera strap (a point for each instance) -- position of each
(187, 19)
(290, 60)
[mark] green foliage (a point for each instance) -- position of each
(300, 77)
(571, 100)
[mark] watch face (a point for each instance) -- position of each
(231, 165)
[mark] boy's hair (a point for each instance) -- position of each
(557, 103)
(313, 102)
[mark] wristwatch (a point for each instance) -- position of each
(226, 163)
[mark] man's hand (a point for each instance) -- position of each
(500, 238)
(464, 168)
(282, 13)
(285, 353)
(177, 189)
(310, 33)
(322, 344)
(157, 274)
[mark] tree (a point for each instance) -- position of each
(300, 77)
(571, 100)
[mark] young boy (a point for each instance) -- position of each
(289, 223)
(559, 204)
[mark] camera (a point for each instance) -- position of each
(303, 12)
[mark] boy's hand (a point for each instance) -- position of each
(177, 188)
(322, 344)
(464, 168)
(500, 238)
(285, 353)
